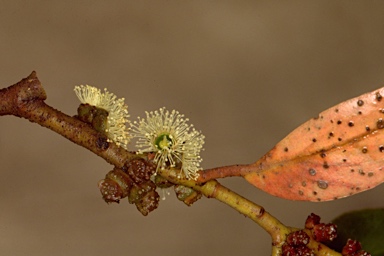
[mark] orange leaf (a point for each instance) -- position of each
(337, 154)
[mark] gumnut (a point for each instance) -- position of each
(186, 194)
(148, 203)
(140, 170)
(115, 186)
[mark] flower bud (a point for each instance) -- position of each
(148, 203)
(140, 170)
(111, 191)
(85, 113)
(115, 186)
(100, 120)
(186, 194)
(161, 182)
(138, 191)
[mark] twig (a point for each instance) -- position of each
(26, 99)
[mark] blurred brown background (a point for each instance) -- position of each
(245, 73)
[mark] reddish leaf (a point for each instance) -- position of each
(337, 154)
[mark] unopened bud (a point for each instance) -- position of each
(186, 194)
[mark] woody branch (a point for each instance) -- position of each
(26, 99)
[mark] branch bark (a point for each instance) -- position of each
(26, 99)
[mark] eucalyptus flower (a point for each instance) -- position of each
(171, 138)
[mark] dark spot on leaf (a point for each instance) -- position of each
(360, 103)
(359, 112)
(364, 150)
(286, 149)
(325, 165)
(357, 188)
(331, 134)
(301, 192)
(367, 128)
(378, 96)
(312, 172)
(352, 170)
(336, 110)
(350, 124)
(331, 121)
(361, 172)
(323, 155)
(314, 140)
(338, 121)
(344, 160)
(319, 199)
(322, 184)
(380, 123)
(314, 192)
(381, 148)
(339, 139)
(381, 110)
(304, 183)
(263, 176)
(370, 174)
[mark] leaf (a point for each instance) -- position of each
(365, 226)
(337, 154)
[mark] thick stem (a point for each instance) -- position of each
(25, 99)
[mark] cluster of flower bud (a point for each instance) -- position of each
(132, 181)
(137, 181)
(163, 134)
(321, 232)
(296, 242)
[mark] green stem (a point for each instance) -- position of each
(257, 213)
(277, 230)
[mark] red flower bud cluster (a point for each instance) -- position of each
(353, 248)
(321, 232)
(296, 244)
